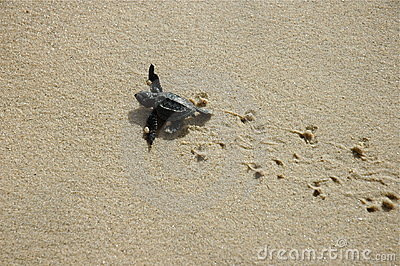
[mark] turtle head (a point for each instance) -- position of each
(146, 98)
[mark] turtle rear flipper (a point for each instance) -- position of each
(155, 85)
(203, 111)
(173, 127)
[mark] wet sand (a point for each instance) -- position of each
(316, 167)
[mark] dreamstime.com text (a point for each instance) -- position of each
(339, 252)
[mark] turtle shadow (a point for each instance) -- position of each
(139, 117)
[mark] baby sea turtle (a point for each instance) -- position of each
(166, 106)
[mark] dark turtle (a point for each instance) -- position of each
(166, 106)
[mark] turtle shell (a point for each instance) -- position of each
(173, 107)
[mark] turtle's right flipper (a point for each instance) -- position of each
(153, 124)
(154, 81)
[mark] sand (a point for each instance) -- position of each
(317, 168)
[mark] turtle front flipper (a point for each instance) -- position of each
(154, 81)
(153, 124)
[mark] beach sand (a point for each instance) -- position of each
(317, 166)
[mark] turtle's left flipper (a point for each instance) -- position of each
(154, 81)
(174, 127)
(153, 123)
